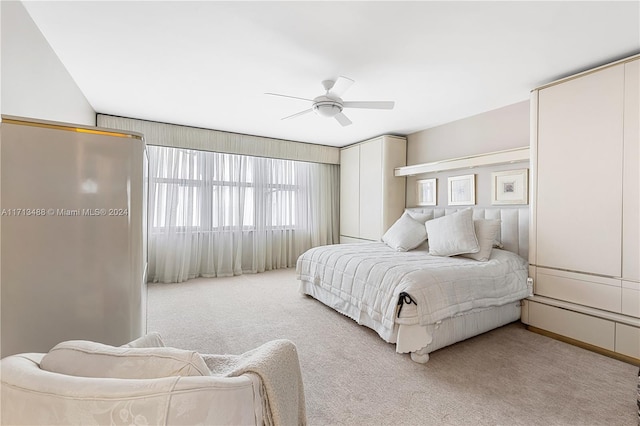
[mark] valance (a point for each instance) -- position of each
(178, 136)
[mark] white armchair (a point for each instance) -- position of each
(87, 383)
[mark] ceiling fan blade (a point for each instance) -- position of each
(340, 86)
(342, 119)
(369, 104)
(297, 114)
(287, 96)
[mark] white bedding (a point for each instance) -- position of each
(365, 281)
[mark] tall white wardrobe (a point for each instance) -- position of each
(372, 198)
(585, 228)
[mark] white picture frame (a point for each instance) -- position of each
(510, 187)
(427, 192)
(462, 190)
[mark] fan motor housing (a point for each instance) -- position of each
(326, 106)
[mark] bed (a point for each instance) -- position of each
(422, 302)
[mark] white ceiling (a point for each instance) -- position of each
(208, 63)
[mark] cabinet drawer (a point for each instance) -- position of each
(585, 328)
(628, 340)
(631, 298)
(588, 290)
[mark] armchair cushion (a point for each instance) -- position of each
(30, 395)
(91, 359)
(80, 382)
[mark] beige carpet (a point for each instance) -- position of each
(508, 376)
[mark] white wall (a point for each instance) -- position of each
(503, 128)
(34, 81)
(500, 129)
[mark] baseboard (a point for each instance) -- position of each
(574, 342)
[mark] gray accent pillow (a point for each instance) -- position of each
(487, 231)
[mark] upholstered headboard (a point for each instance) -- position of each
(514, 228)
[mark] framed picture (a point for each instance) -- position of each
(510, 187)
(427, 192)
(462, 190)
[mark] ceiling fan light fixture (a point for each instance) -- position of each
(330, 105)
(327, 109)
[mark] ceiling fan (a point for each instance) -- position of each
(331, 104)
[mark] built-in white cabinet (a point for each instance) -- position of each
(350, 191)
(585, 228)
(579, 157)
(631, 174)
(372, 198)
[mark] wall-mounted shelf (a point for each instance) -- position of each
(515, 155)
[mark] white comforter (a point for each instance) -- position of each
(368, 278)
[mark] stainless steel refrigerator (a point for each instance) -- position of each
(72, 231)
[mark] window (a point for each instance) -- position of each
(209, 191)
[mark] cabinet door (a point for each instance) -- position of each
(350, 191)
(371, 190)
(631, 169)
(394, 154)
(579, 187)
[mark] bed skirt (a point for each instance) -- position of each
(410, 337)
(455, 329)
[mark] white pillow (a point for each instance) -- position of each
(90, 359)
(487, 231)
(405, 234)
(452, 234)
(420, 217)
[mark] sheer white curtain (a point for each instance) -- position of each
(213, 214)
